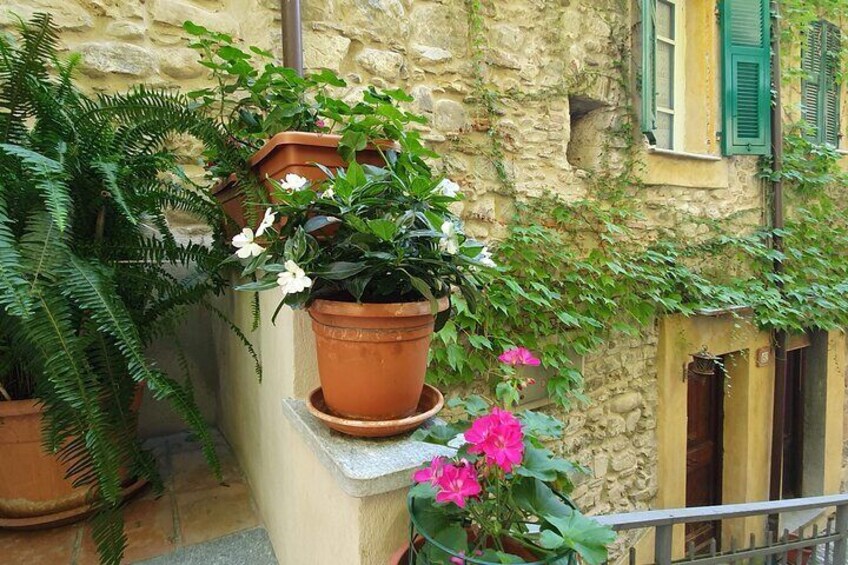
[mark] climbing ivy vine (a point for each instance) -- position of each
(574, 273)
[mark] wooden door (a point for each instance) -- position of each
(793, 424)
(704, 451)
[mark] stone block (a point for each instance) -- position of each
(625, 402)
(439, 25)
(180, 63)
(126, 29)
(429, 54)
(623, 460)
(385, 21)
(113, 57)
(176, 12)
(450, 116)
(68, 16)
(324, 50)
(384, 64)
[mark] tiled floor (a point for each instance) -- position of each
(193, 509)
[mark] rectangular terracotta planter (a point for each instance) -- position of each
(290, 152)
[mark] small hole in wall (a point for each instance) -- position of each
(588, 125)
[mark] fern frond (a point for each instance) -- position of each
(14, 289)
(93, 290)
(22, 66)
(49, 177)
(257, 363)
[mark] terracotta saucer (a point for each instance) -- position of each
(430, 404)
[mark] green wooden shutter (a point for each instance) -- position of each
(820, 88)
(811, 87)
(830, 99)
(649, 69)
(746, 51)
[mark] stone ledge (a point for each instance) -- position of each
(362, 467)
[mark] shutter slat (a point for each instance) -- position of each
(747, 82)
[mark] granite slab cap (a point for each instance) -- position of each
(362, 467)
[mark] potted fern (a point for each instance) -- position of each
(285, 124)
(88, 277)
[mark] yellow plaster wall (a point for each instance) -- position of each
(747, 421)
(309, 518)
(835, 417)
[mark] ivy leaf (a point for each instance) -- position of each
(541, 464)
(473, 405)
(539, 424)
(439, 434)
(584, 535)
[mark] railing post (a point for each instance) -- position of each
(662, 545)
(842, 529)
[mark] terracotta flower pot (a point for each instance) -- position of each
(372, 357)
(290, 152)
(34, 491)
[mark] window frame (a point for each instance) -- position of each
(678, 74)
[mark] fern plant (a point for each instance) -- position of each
(90, 273)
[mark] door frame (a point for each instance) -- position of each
(747, 413)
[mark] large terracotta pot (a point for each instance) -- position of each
(372, 357)
(34, 492)
(290, 152)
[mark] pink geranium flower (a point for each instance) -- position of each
(431, 473)
(458, 483)
(499, 437)
(519, 356)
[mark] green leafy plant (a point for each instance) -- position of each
(503, 497)
(256, 97)
(90, 273)
(372, 234)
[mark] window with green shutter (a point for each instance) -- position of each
(746, 91)
(820, 88)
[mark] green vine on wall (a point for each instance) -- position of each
(577, 272)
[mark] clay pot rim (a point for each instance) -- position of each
(315, 139)
(25, 407)
(376, 309)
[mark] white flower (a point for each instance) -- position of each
(328, 193)
(246, 246)
(294, 182)
(293, 279)
(267, 222)
(450, 242)
(485, 258)
(448, 188)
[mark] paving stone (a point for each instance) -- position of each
(251, 547)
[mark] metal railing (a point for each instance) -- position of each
(810, 544)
